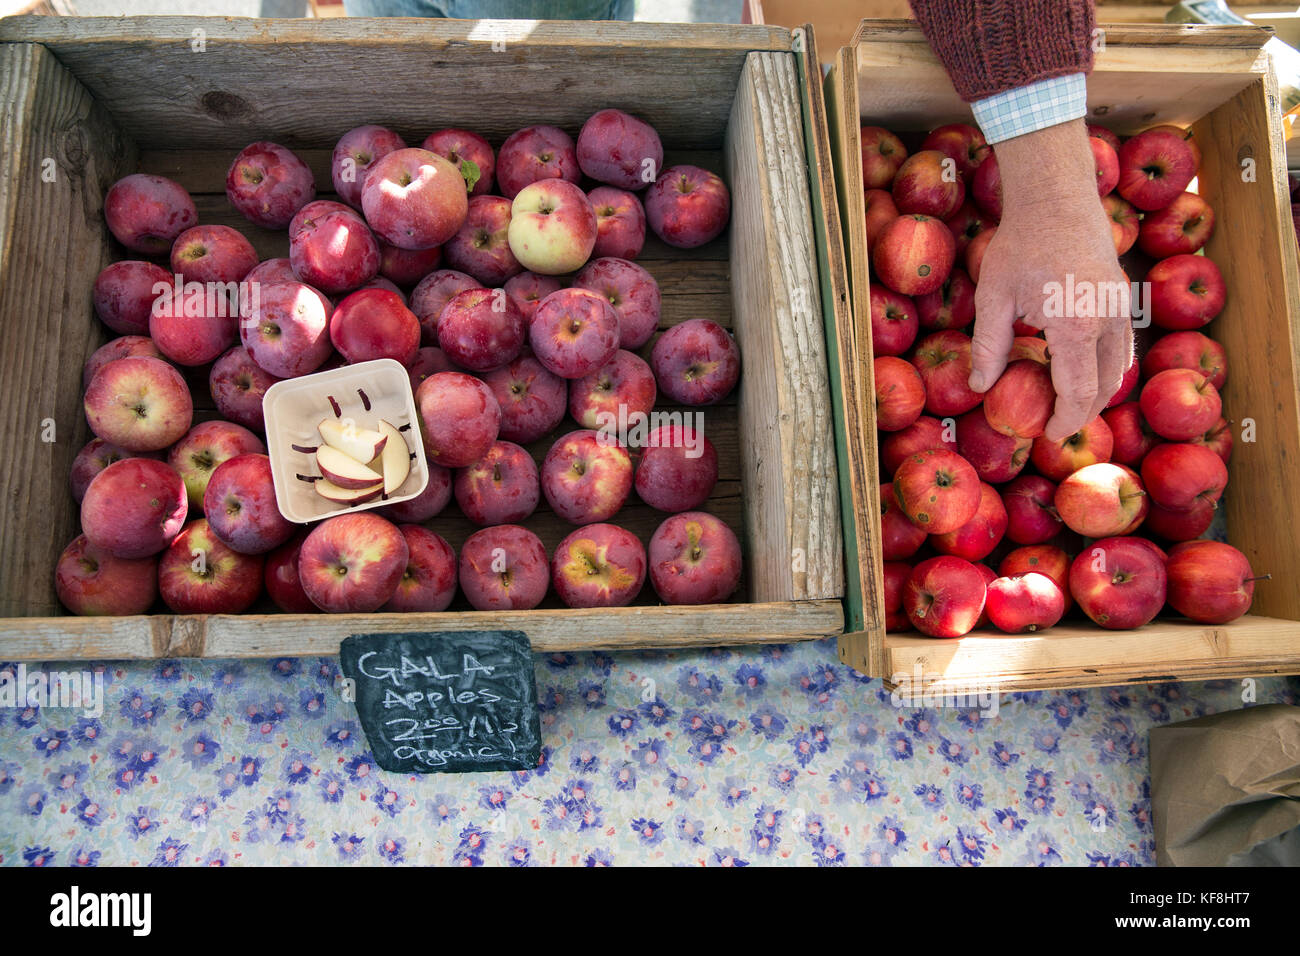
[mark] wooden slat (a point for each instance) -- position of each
(247, 83)
(1080, 656)
(1144, 76)
(787, 442)
(51, 248)
(1254, 246)
(295, 635)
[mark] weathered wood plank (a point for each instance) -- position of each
(787, 442)
(296, 635)
(59, 153)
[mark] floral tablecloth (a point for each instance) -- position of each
(752, 756)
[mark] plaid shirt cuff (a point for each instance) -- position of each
(1033, 107)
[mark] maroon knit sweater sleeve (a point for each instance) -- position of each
(991, 46)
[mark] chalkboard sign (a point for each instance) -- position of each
(446, 701)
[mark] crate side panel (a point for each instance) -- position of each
(787, 442)
(60, 153)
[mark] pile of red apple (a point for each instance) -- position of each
(1109, 518)
(509, 310)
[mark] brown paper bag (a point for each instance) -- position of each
(1225, 789)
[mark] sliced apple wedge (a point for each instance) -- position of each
(344, 470)
(395, 459)
(351, 439)
(347, 496)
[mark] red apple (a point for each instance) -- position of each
(460, 146)
(240, 505)
(1102, 500)
(432, 294)
(620, 223)
(273, 270)
(880, 212)
(975, 254)
(882, 154)
(534, 154)
(1179, 476)
(687, 206)
(938, 490)
(678, 469)
(914, 254)
(994, 456)
(962, 143)
(1106, 161)
(504, 569)
(1031, 514)
(1020, 402)
(373, 324)
(268, 184)
(93, 458)
(951, 306)
(406, 267)
(461, 418)
(696, 362)
(414, 199)
(600, 565)
(134, 508)
(280, 577)
(481, 247)
(352, 563)
(500, 488)
(893, 321)
(624, 382)
(1131, 438)
(944, 597)
(899, 538)
(335, 252)
(1187, 349)
(1119, 582)
(91, 581)
(1058, 460)
(586, 478)
(237, 384)
(1180, 404)
(986, 187)
(316, 210)
(619, 149)
(965, 224)
(924, 433)
(1218, 439)
(212, 254)
(114, 349)
(1186, 136)
(1186, 292)
(574, 332)
(528, 289)
(139, 403)
(1104, 134)
(1127, 384)
(1027, 602)
(354, 154)
(928, 183)
(552, 227)
(1210, 582)
(429, 581)
(1043, 559)
(532, 400)
(199, 574)
(427, 504)
(633, 293)
(896, 574)
(287, 333)
(694, 558)
(196, 327)
(1154, 167)
(1180, 525)
(481, 330)
(977, 538)
(125, 292)
(944, 361)
(1125, 227)
(900, 393)
(1181, 228)
(146, 213)
(204, 447)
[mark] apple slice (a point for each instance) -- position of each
(344, 470)
(347, 496)
(348, 437)
(395, 460)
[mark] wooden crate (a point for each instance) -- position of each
(1214, 79)
(95, 99)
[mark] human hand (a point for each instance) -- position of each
(1054, 231)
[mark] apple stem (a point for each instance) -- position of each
(1259, 577)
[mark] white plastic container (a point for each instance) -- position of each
(294, 407)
